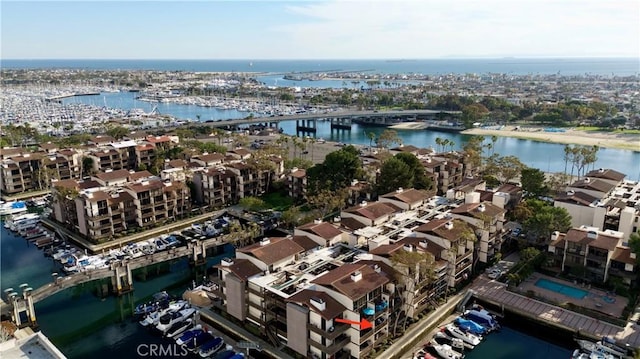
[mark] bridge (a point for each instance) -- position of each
(120, 272)
(306, 122)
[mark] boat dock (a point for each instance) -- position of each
(496, 293)
(120, 272)
(67, 95)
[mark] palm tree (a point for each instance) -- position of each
(438, 142)
(451, 144)
(371, 136)
(494, 139)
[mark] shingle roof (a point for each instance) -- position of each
(623, 254)
(472, 209)
(596, 184)
(408, 196)
(324, 230)
(576, 197)
(332, 309)
(606, 174)
(113, 175)
(305, 242)
(340, 279)
(602, 241)
(437, 227)
(373, 210)
(242, 268)
(278, 248)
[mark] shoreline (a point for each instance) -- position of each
(630, 142)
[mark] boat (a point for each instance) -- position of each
(600, 348)
(456, 332)
(482, 317)
(456, 343)
(154, 317)
(197, 341)
(188, 335)
(445, 351)
(166, 321)
(209, 348)
(237, 356)
(179, 328)
(13, 207)
(422, 354)
(470, 326)
(158, 300)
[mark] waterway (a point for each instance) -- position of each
(80, 322)
(545, 156)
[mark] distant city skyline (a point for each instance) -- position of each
(319, 29)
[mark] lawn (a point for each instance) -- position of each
(277, 201)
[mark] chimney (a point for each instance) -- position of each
(317, 221)
(587, 180)
(571, 192)
(363, 204)
(408, 247)
(337, 219)
(354, 182)
(399, 190)
(555, 235)
(376, 267)
(319, 303)
(601, 170)
(448, 225)
(424, 244)
(294, 169)
(481, 208)
(356, 276)
(264, 242)
(592, 234)
(632, 255)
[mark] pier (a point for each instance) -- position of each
(63, 96)
(496, 293)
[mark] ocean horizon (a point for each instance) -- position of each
(603, 66)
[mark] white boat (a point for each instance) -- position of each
(455, 343)
(7, 208)
(179, 328)
(166, 321)
(154, 317)
(445, 351)
(458, 333)
(600, 348)
(211, 347)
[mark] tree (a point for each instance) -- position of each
(118, 132)
(529, 253)
(545, 220)
(394, 174)
(327, 201)
(533, 182)
(557, 183)
(371, 136)
(509, 168)
(420, 179)
(337, 170)
(291, 217)
(413, 269)
(388, 138)
(252, 203)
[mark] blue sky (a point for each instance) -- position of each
(343, 29)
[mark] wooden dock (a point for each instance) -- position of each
(497, 294)
(193, 249)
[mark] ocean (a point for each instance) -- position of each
(516, 66)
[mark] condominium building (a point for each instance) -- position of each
(487, 221)
(35, 170)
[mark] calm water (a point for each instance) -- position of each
(563, 66)
(545, 156)
(510, 344)
(80, 323)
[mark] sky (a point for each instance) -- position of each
(341, 29)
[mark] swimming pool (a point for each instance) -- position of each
(561, 288)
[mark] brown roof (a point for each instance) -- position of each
(332, 309)
(432, 163)
(596, 185)
(559, 242)
(576, 197)
(113, 175)
(145, 186)
(242, 268)
(606, 174)
(324, 229)
(145, 147)
(121, 197)
(8, 152)
(305, 242)
(623, 254)
(373, 210)
(140, 174)
(157, 139)
(509, 188)
(386, 250)
(351, 223)
(177, 163)
(67, 183)
(96, 196)
(408, 196)
(340, 280)
(240, 151)
(48, 146)
(406, 148)
(437, 227)
(602, 241)
(211, 157)
(278, 248)
(102, 139)
(472, 209)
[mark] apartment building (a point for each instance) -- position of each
(455, 239)
(296, 184)
(100, 209)
(35, 170)
(447, 170)
(616, 206)
(322, 233)
(405, 199)
(215, 187)
(371, 214)
(593, 254)
(487, 221)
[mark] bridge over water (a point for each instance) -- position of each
(306, 122)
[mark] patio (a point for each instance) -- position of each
(596, 299)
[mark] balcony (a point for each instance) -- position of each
(330, 334)
(338, 344)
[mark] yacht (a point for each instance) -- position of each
(600, 348)
(458, 333)
(455, 343)
(470, 326)
(7, 208)
(153, 318)
(160, 300)
(197, 341)
(179, 328)
(189, 335)
(445, 351)
(212, 346)
(166, 321)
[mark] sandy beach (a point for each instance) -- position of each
(570, 136)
